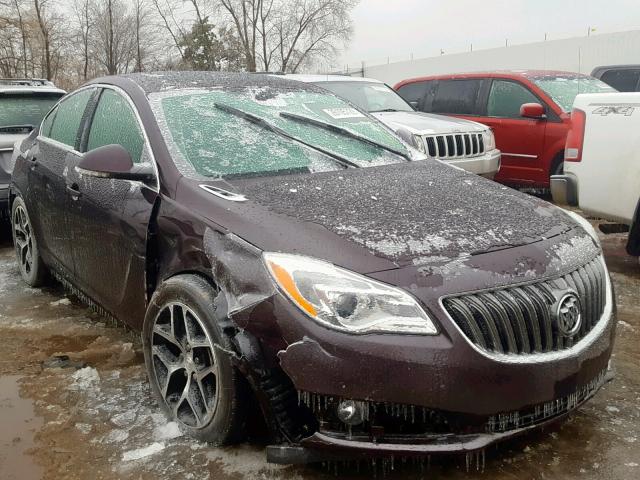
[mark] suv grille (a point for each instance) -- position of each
(458, 145)
(518, 320)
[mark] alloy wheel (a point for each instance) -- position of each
(184, 364)
(23, 239)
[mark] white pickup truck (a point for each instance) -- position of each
(602, 161)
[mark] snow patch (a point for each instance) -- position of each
(85, 378)
(167, 431)
(142, 452)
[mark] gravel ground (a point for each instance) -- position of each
(93, 416)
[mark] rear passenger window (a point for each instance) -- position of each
(507, 97)
(413, 92)
(457, 97)
(622, 80)
(114, 122)
(68, 118)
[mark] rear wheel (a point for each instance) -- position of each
(188, 362)
(558, 167)
(32, 268)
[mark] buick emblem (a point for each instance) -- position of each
(568, 315)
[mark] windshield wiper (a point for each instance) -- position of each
(384, 110)
(26, 126)
(342, 131)
(261, 122)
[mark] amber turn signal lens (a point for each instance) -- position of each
(286, 282)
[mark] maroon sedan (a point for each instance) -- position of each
(279, 248)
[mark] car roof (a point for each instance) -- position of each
(328, 78)
(178, 80)
(529, 74)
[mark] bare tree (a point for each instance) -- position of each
(244, 15)
(83, 15)
(310, 27)
(45, 31)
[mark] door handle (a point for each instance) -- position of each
(74, 191)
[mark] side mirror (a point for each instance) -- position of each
(533, 110)
(113, 161)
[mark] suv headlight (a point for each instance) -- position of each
(346, 301)
(418, 141)
(489, 140)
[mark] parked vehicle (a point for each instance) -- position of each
(23, 104)
(278, 247)
(528, 111)
(624, 78)
(602, 161)
(465, 144)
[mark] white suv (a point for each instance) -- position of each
(468, 145)
(23, 105)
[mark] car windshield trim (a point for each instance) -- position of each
(261, 122)
(342, 131)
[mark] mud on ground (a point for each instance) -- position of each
(91, 415)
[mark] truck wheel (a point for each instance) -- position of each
(558, 168)
(32, 268)
(188, 362)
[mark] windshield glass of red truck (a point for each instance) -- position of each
(250, 133)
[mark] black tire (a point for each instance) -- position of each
(32, 268)
(558, 167)
(224, 422)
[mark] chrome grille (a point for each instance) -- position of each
(457, 145)
(518, 320)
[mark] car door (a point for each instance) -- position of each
(111, 217)
(48, 199)
(521, 140)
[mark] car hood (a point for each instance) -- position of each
(408, 214)
(426, 123)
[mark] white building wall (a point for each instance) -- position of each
(574, 54)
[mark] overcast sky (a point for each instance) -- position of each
(398, 28)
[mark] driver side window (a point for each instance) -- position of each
(506, 98)
(114, 122)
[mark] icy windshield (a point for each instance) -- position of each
(564, 89)
(258, 131)
(20, 109)
(369, 96)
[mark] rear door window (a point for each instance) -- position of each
(622, 80)
(68, 118)
(457, 97)
(506, 98)
(115, 122)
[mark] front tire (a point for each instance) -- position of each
(188, 360)
(32, 268)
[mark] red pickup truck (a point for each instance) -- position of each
(528, 111)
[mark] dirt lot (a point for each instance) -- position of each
(63, 421)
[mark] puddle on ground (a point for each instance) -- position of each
(18, 426)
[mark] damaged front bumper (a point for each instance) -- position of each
(425, 396)
(339, 446)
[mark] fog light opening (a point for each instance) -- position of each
(350, 412)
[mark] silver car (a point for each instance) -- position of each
(465, 144)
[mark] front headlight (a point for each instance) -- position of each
(346, 301)
(419, 143)
(585, 224)
(489, 140)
